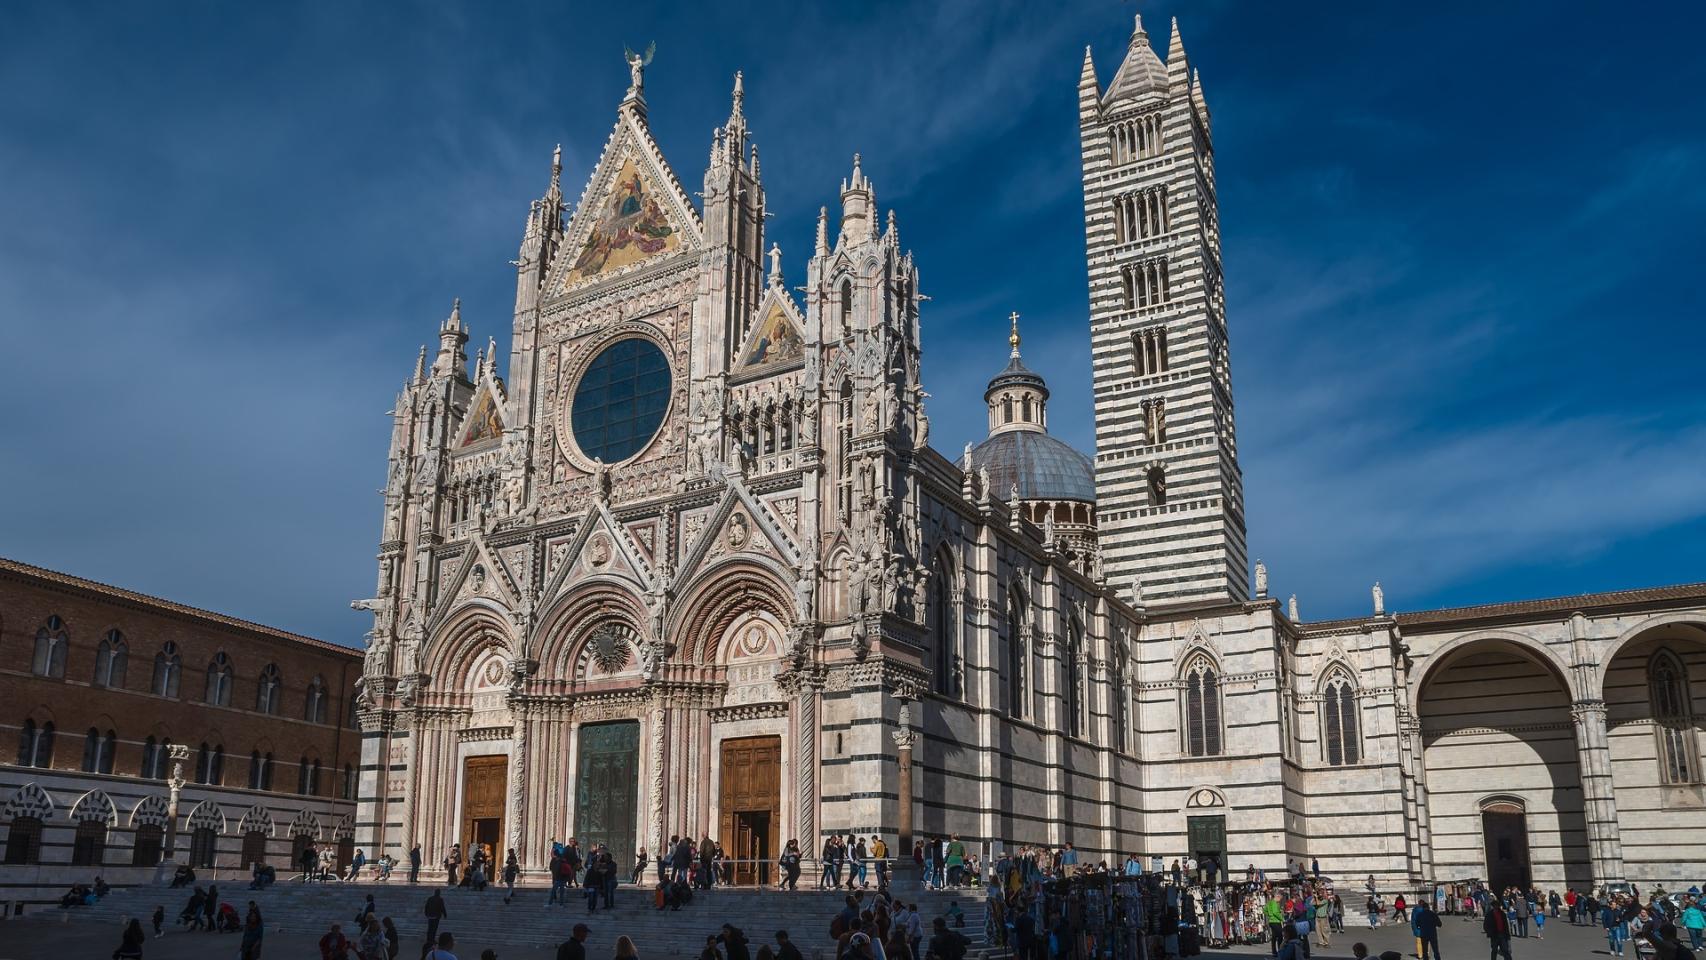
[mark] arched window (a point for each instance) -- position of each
(314, 778)
(112, 656)
(23, 841)
(167, 666)
(348, 790)
(219, 674)
(1341, 737)
(844, 455)
(98, 751)
(35, 744)
(150, 840)
(944, 634)
(1673, 719)
(203, 841)
(1074, 679)
(1018, 630)
(302, 771)
(51, 644)
(1122, 716)
(1006, 410)
(156, 758)
(267, 692)
(1201, 708)
(314, 708)
(846, 308)
(210, 764)
(1157, 486)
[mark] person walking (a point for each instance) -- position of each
(1497, 927)
(211, 907)
(1520, 912)
(790, 864)
(574, 948)
(512, 870)
(1274, 913)
(441, 951)
(880, 856)
(1424, 923)
(785, 949)
(131, 941)
(955, 855)
(1615, 929)
(435, 914)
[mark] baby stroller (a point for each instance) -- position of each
(228, 921)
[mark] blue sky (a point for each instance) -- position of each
(1462, 249)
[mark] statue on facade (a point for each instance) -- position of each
(637, 68)
(1261, 579)
(1379, 600)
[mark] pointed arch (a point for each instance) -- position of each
(95, 805)
(52, 643)
(206, 816)
(722, 592)
(151, 810)
(1075, 667)
(345, 829)
(1673, 717)
(943, 622)
(112, 659)
(256, 819)
(1018, 651)
(305, 824)
(1340, 713)
(461, 639)
(567, 623)
(29, 800)
(1200, 705)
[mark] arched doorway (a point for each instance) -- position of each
(1500, 756)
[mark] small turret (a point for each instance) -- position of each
(1141, 74)
(857, 203)
(451, 361)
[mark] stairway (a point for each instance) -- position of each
(483, 919)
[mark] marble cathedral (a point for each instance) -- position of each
(692, 567)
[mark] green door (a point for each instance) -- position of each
(1207, 838)
(607, 795)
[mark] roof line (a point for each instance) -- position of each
(56, 578)
(1681, 591)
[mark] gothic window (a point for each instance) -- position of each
(1201, 708)
(1340, 731)
(1673, 720)
(112, 656)
(89, 845)
(219, 676)
(35, 744)
(354, 718)
(844, 455)
(260, 771)
(156, 758)
(944, 634)
(210, 764)
(1157, 486)
(1018, 630)
(348, 790)
(846, 308)
(23, 841)
(98, 751)
(203, 840)
(302, 775)
(314, 778)
(1149, 351)
(314, 709)
(1155, 420)
(267, 691)
(1074, 679)
(167, 666)
(51, 645)
(1122, 710)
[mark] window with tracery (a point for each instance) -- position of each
(52, 642)
(112, 657)
(1341, 738)
(219, 681)
(1075, 679)
(944, 630)
(1673, 719)
(267, 690)
(1017, 635)
(167, 667)
(1201, 708)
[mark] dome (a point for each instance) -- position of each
(1044, 468)
(1016, 374)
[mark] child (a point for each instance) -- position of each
(1540, 924)
(159, 918)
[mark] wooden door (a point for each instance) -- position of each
(485, 780)
(750, 805)
(1504, 829)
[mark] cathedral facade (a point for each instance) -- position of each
(692, 567)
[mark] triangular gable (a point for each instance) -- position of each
(740, 523)
(775, 339)
(493, 582)
(485, 418)
(614, 553)
(633, 210)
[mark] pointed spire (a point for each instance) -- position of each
(1013, 338)
(556, 188)
(858, 203)
(492, 356)
(1141, 73)
(451, 336)
(420, 365)
(822, 247)
(1197, 97)
(755, 175)
(1178, 65)
(739, 94)
(892, 235)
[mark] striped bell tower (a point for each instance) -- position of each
(1170, 501)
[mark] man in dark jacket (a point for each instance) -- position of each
(435, 913)
(1497, 928)
(951, 944)
(682, 858)
(414, 863)
(574, 948)
(734, 943)
(1425, 922)
(785, 949)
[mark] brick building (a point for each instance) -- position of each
(101, 685)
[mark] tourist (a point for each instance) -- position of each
(1399, 908)
(334, 946)
(734, 943)
(954, 855)
(254, 928)
(446, 943)
(365, 914)
(1273, 912)
(790, 863)
(856, 863)
(829, 868)
(593, 884)
(1497, 928)
(512, 870)
(451, 863)
(574, 948)
(1424, 923)
(785, 949)
(131, 941)
(307, 859)
(1374, 908)
(415, 863)
(191, 915)
(1539, 922)
(639, 867)
(625, 949)
(1337, 916)
(1693, 920)
(355, 865)
(710, 951)
(1616, 928)
(1322, 921)
(880, 854)
(947, 944)
(607, 861)
(1290, 949)
(435, 913)
(393, 940)
(1315, 868)
(372, 945)
(1520, 912)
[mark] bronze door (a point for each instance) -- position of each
(484, 783)
(607, 789)
(751, 805)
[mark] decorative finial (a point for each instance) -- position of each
(740, 91)
(822, 231)
(1137, 29)
(637, 70)
(455, 320)
(1013, 338)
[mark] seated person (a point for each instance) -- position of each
(228, 922)
(74, 897)
(183, 876)
(101, 888)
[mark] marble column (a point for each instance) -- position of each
(179, 753)
(1599, 802)
(904, 877)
